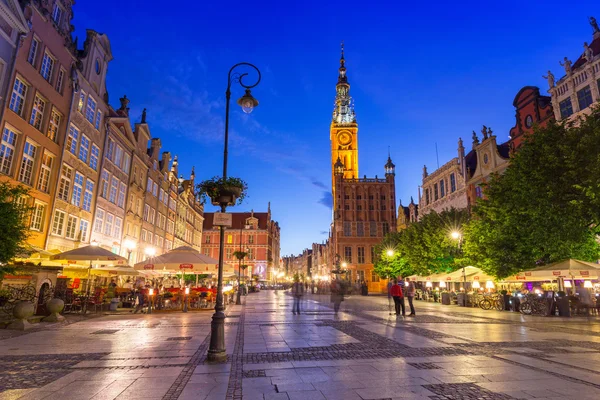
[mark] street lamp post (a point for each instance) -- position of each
(216, 351)
(456, 235)
(129, 246)
(240, 256)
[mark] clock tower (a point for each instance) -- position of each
(344, 130)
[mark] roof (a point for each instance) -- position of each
(471, 162)
(595, 46)
(239, 220)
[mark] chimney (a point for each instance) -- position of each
(155, 146)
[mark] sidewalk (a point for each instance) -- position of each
(362, 353)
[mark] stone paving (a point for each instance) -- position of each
(364, 353)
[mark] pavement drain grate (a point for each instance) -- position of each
(425, 365)
(255, 373)
(180, 338)
(105, 332)
(463, 391)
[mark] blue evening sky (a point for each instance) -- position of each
(420, 74)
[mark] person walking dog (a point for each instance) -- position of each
(396, 292)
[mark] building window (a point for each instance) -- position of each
(360, 229)
(452, 183)
(478, 191)
(347, 228)
(155, 189)
(146, 212)
(71, 232)
(374, 276)
(358, 207)
(152, 215)
(121, 199)
(110, 150)
(143, 235)
(83, 229)
(372, 228)
(26, 171)
(426, 196)
(435, 191)
(54, 125)
(108, 224)
(382, 197)
(7, 150)
(99, 220)
(35, 44)
(90, 110)
(57, 13)
(37, 216)
(149, 185)
(442, 188)
(94, 157)
(566, 108)
(207, 239)
(386, 228)
(118, 156)
(84, 148)
(81, 101)
(346, 207)
(229, 239)
(17, 98)
(360, 251)
(348, 254)
(126, 164)
(372, 254)
(171, 227)
(228, 253)
(88, 195)
(584, 98)
(251, 239)
(98, 119)
(37, 113)
(60, 80)
(47, 67)
(118, 224)
(72, 138)
(64, 186)
(58, 223)
(598, 85)
(77, 189)
(45, 171)
(104, 184)
(114, 184)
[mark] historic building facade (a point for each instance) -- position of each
(531, 109)
(364, 209)
(574, 93)
(80, 161)
(445, 188)
(257, 234)
(37, 109)
(407, 214)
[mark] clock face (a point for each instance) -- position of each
(344, 138)
(529, 121)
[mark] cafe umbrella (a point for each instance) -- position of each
(90, 254)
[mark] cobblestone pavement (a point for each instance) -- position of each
(445, 352)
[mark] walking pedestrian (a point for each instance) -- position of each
(409, 289)
(396, 291)
(297, 292)
(337, 294)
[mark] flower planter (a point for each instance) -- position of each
(227, 195)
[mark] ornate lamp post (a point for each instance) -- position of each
(129, 246)
(216, 351)
(240, 255)
(456, 235)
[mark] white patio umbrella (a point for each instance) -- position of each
(183, 259)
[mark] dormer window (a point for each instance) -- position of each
(57, 13)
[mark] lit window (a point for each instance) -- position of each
(17, 98)
(37, 113)
(77, 189)
(348, 253)
(33, 51)
(361, 255)
(121, 199)
(72, 138)
(84, 148)
(47, 67)
(118, 224)
(45, 172)
(64, 186)
(90, 110)
(37, 216)
(146, 212)
(114, 184)
(7, 150)
(71, 232)
(94, 157)
(88, 195)
(229, 239)
(54, 125)
(108, 224)
(26, 171)
(81, 101)
(99, 220)
(58, 223)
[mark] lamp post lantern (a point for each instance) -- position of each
(456, 235)
(216, 351)
(129, 246)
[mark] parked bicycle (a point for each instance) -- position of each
(533, 304)
(493, 300)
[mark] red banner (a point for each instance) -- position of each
(186, 266)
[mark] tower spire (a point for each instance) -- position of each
(343, 112)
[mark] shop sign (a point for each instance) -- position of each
(476, 278)
(527, 273)
(186, 266)
(584, 273)
(149, 266)
(520, 278)
(556, 273)
(223, 219)
(448, 278)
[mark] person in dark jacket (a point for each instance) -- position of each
(297, 292)
(396, 292)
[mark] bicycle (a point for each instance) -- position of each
(490, 301)
(532, 304)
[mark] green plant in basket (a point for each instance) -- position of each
(229, 191)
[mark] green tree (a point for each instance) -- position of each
(546, 205)
(13, 224)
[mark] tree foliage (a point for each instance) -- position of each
(423, 248)
(13, 224)
(546, 205)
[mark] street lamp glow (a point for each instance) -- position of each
(94, 243)
(129, 245)
(344, 264)
(390, 252)
(150, 251)
(247, 102)
(455, 235)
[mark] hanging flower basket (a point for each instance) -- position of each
(221, 191)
